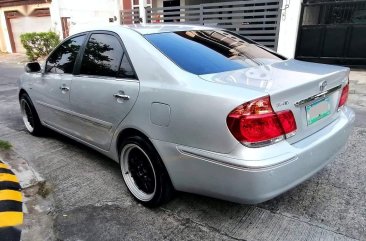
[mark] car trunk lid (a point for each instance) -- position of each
(311, 91)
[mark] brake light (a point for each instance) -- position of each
(344, 96)
(287, 121)
(256, 124)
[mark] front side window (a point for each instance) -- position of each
(102, 56)
(211, 51)
(62, 60)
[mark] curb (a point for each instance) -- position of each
(11, 210)
(36, 209)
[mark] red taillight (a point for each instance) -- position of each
(287, 121)
(255, 123)
(344, 95)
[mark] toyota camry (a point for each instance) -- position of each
(191, 108)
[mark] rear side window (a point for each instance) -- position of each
(62, 60)
(102, 56)
(126, 70)
(211, 51)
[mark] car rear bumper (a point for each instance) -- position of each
(235, 178)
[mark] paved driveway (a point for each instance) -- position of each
(91, 202)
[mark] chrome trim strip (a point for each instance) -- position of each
(318, 96)
(233, 162)
(89, 119)
(105, 78)
(231, 165)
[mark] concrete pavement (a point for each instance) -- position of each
(89, 200)
(15, 58)
(357, 97)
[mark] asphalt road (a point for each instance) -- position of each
(91, 201)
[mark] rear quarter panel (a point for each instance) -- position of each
(198, 108)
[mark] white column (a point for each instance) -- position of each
(117, 13)
(289, 27)
(142, 5)
(56, 17)
(4, 28)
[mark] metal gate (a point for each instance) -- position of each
(333, 31)
(258, 20)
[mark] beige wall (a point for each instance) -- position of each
(28, 24)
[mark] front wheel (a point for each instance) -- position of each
(30, 116)
(144, 172)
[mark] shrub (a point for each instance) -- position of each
(40, 44)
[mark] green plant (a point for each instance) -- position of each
(4, 145)
(40, 44)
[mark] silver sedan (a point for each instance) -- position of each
(191, 108)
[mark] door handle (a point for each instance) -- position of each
(121, 96)
(64, 88)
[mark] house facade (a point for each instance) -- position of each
(326, 31)
(69, 16)
(19, 16)
(61, 16)
(273, 23)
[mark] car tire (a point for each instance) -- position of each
(30, 116)
(144, 172)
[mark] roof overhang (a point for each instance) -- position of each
(12, 3)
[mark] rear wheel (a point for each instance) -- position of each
(30, 116)
(144, 173)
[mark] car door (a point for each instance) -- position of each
(104, 90)
(52, 89)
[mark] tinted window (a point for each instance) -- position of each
(102, 56)
(125, 70)
(63, 59)
(205, 52)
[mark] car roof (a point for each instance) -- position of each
(163, 28)
(147, 28)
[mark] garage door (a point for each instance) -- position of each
(28, 24)
(333, 31)
(258, 20)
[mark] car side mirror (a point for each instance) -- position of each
(32, 67)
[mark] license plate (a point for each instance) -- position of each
(317, 111)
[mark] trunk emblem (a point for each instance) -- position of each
(282, 103)
(323, 85)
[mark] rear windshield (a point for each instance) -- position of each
(211, 51)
